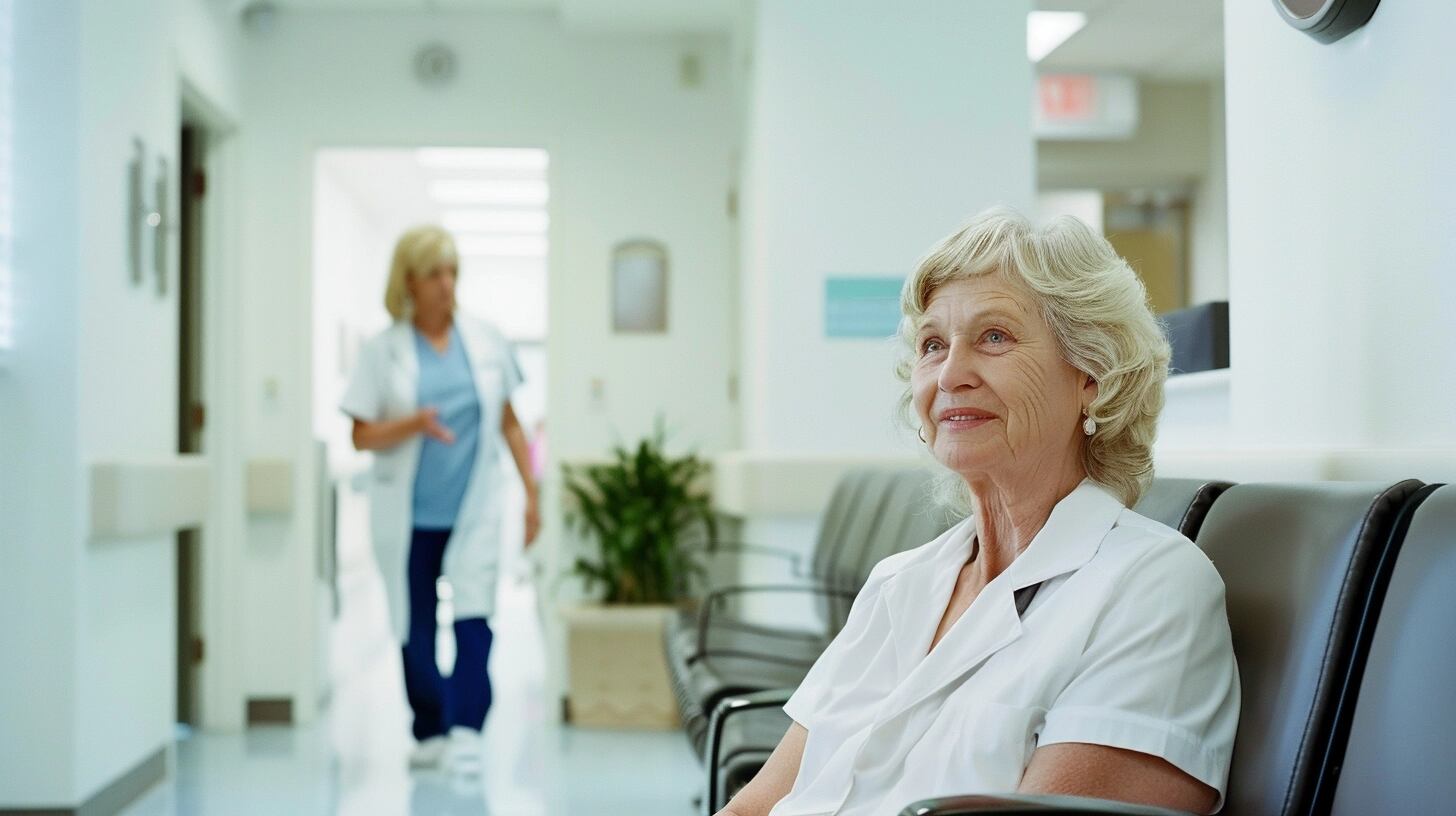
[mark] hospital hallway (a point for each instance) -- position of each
(764, 400)
(353, 759)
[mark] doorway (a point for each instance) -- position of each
(191, 404)
(494, 203)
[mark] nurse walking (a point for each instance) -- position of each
(431, 398)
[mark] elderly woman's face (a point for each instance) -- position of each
(993, 393)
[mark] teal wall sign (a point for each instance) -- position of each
(862, 307)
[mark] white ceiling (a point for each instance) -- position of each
(636, 16)
(1152, 39)
(394, 188)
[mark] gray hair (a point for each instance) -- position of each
(1096, 307)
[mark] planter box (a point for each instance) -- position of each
(616, 672)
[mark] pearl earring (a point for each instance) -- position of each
(1089, 426)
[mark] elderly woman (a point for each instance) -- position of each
(431, 398)
(1055, 641)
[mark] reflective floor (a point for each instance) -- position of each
(354, 760)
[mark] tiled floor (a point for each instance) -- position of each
(354, 760)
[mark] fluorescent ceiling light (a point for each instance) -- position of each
(481, 158)
(501, 246)
(1047, 30)
(469, 191)
(511, 221)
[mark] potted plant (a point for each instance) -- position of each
(648, 518)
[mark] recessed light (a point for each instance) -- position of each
(1047, 30)
(501, 246)
(481, 158)
(509, 221)
(470, 191)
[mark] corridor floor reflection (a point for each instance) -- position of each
(353, 761)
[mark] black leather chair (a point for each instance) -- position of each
(1304, 567)
(723, 661)
(686, 637)
(747, 727)
(1401, 751)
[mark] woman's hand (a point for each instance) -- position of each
(430, 425)
(386, 433)
(533, 518)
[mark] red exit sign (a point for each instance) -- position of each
(1067, 97)
(1085, 106)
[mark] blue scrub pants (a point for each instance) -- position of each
(439, 702)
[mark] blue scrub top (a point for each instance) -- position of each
(444, 470)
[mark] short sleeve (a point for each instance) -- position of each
(839, 672)
(363, 399)
(511, 365)
(1157, 675)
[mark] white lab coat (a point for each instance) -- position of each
(385, 385)
(1126, 644)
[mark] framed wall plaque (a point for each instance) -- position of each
(639, 287)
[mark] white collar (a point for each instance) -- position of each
(916, 595)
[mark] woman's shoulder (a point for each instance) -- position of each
(1147, 556)
(380, 341)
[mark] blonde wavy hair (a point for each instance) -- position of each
(1096, 307)
(417, 252)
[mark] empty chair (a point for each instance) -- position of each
(684, 635)
(722, 662)
(1402, 741)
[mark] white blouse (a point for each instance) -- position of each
(1125, 644)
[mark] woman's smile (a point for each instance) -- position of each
(963, 419)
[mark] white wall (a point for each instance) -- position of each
(632, 154)
(350, 267)
(39, 480)
(873, 132)
(95, 378)
(1209, 273)
(1342, 193)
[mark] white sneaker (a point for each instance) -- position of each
(465, 750)
(428, 754)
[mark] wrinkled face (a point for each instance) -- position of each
(994, 396)
(434, 293)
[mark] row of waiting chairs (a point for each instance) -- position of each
(1338, 593)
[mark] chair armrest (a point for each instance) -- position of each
(727, 707)
(715, 597)
(1024, 804)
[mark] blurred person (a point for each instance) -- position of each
(430, 396)
(1053, 642)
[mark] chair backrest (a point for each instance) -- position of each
(1299, 565)
(846, 536)
(1180, 503)
(907, 519)
(835, 519)
(1401, 753)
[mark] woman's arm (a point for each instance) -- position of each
(774, 780)
(386, 433)
(1104, 772)
(521, 452)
